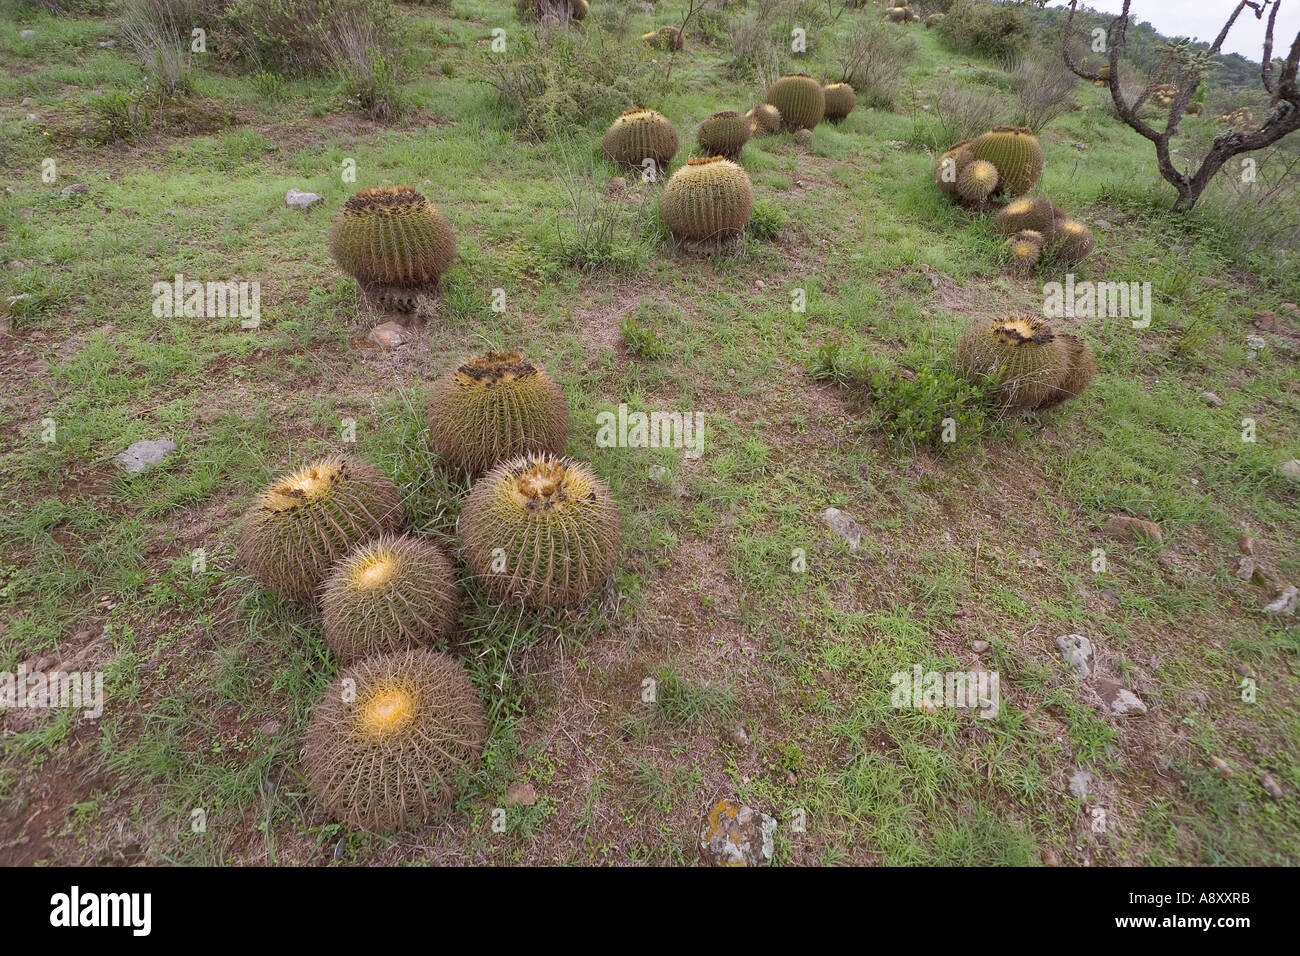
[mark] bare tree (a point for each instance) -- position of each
(1185, 68)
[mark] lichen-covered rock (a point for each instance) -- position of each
(735, 835)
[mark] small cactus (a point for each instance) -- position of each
(840, 101)
(724, 134)
(933, 20)
(1033, 213)
(496, 406)
(392, 238)
(665, 38)
(389, 734)
(307, 520)
(640, 135)
(948, 169)
(900, 15)
(977, 181)
(800, 99)
(1074, 241)
(1080, 371)
(1015, 151)
(764, 118)
(1024, 249)
(708, 199)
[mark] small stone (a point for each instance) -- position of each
(1290, 469)
(737, 735)
(979, 647)
(1081, 783)
(1128, 528)
(1242, 670)
(301, 200)
(210, 413)
(270, 728)
(660, 474)
(735, 835)
(127, 210)
(1221, 766)
(1077, 652)
(27, 34)
(171, 212)
(1050, 858)
(1103, 225)
(1245, 568)
(803, 136)
(1209, 398)
(616, 187)
(1264, 319)
(72, 190)
(1210, 282)
(1289, 307)
(844, 526)
(145, 454)
(389, 335)
(521, 795)
(13, 265)
(731, 373)
(1270, 786)
(33, 117)
(1255, 342)
(1119, 699)
(1111, 597)
(1284, 603)
(107, 44)
(760, 285)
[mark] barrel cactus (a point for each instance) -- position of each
(496, 406)
(1081, 370)
(541, 529)
(551, 11)
(764, 118)
(1040, 215)
(948, 169)
(900, 14)
(933, 20)
(307, 520)
(708, 199)
(1024, 250)
(640, 135)
(1074, 241)
(389, 594)
(724, 134)
(387, 738)
(1027, 359)
(977, 181)
(840, 101)
(1015, 151)
(800, 99)
(392, 237)
(665, 38)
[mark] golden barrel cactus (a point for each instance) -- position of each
(1040, 215)
(840, 101)
(639, 135)
(764, 118)
(977, 181)
(724, 134)
(1074, 241)
(1016, 152)
(392, 236)
(800, 99)
(708, 199)
(1032, 364)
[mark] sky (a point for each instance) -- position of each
(1203, 19)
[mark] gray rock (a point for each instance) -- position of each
(107, 44)
(1270, 786)
(736, 836)
(1081, 783)
(1255, 342)
(1103, 225)
(1119, 699)
(736, 732)
(1290, 469)
(389, 335)
(27, 34)
(301, 200)
(1284, 603)
(1245, 568)
(1077, 652)
(145, 454)
(270, 728)
(73, 189)
(1209, 398)
(979, 647)
(844, 526)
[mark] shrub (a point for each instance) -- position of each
(594, 232)
(1045, 89)
(913, 408)
(995, 30)
(119, 116)
(307, 36)
(959, 113)
(872, 61)
(766, 221)
(159, 33)
(269, 86)
(641, 340)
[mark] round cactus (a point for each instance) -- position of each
(948, 169)
(708, 199)
(388, 736)
(1015, 151)
(724, 134)
(390, 594)
(549, 11)
(1026, 358)
(542, 529)
(493, 407)
(1074, 241)
(1081, 369)
(933, 20)
(800, 99)
(840, 100)
(665, 38)
(977, 181)
(1024, 250)
(900, 14)
(764, 118)
(579, 9)
(639, 135)
(309, 519)
(392, 236)
(1040, 215)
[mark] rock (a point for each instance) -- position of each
(389, 335)
(844, 526)
(1077, 652)
(1245, 568)
(1246, 544)
(1209, 398)
(1081, 783)
(1290, 469)
(1255, 342)
(210, 413)
(1103, 225)
(616, 187)
(1119, 699)
(33, 117)
(1210, 283)
(270, 728)
(145, 454)
(301, 200)
(1128, 528)
(1111, 597)
(27, 34)
(521, 795)
(1270, 786)
(1221, 766)
(1289, 307)
(107, 44)
(1284, 603)
(736, 836)
(979, 647)
(803, 136)
(736, 734)
(1264, 319)
(1050, 858)
(660, 474)
(760, 285)
(69, 191)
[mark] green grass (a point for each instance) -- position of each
(732, 596)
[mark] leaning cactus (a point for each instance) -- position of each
(1080, 371)
(764, 118)
(724, 134)
(640, 135)
(1015, 151)
(977, 181)
(840, 101)
(1031, 363)
(665, 38)
(948, 169)
(392, 238)
(800, 99)
(708, 199)
(1024, 249)
(1033, 213)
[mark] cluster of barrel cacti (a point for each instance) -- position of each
(1037, 225)
(1011, 161)
(902, 14)
(387, 739)
(1029, 364)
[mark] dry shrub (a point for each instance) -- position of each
(1045, 89)
(872, 61)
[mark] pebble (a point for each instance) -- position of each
(145, 454)
(979, 647)
(301, 200)
(73, 189)
(1221, 766)
(521, 795)
(1270, 786)
(1209, 398)
(1290, 469)
(1103, 225)
(389, 335)
(1128, 528)
(1284, 603)
(1077, 651)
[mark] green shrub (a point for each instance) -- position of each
(308, 37)
(998, 31)
(158, 31)
(641, 339)
(119, 116)
(269, 86)
(914, 409)
(766, 221)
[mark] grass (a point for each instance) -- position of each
(732, 596)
